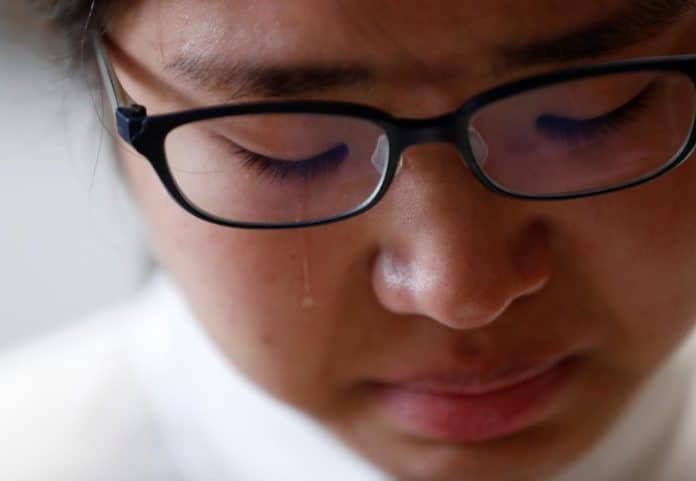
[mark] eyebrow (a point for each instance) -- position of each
(245, 79)
(641, 20)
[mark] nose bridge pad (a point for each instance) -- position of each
(380, 157)
(479, 147)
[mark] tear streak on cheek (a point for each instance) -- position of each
(307, 301)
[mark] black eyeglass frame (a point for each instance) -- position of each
(147, 134)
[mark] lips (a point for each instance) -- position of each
(475, 405)
(473, 382)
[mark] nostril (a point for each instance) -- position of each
(476, 315)
(532, 257)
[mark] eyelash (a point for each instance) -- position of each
(580, 132)
(305, 170)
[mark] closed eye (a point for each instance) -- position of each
(310, 168)
(584, 131)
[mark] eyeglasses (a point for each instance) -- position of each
(568, 134)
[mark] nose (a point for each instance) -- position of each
(454, 252)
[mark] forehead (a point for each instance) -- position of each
(428, 34)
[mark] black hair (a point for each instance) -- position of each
(73, 17)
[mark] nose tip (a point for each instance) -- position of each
(458, 291)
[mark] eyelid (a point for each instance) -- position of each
(567, 128)
(339, 150)
(279, 169)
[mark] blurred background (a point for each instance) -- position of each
(70, 241)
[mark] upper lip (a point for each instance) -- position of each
(473, 382)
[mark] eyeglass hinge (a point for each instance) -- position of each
(129, 121)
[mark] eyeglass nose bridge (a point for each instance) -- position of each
(414, 132)
(453, 129)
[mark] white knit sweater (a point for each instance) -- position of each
(139, 394)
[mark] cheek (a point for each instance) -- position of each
(269, 299)
(640, 252)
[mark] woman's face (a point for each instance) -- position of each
(422, 332)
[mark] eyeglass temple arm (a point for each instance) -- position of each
(129, 113)
(114, 90)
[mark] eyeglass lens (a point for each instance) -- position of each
(278, 168)
(586, 135)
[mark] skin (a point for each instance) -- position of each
(442, 272)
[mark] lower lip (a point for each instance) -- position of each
(476, 418)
